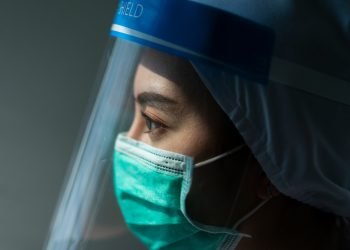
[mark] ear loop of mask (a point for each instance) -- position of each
(227, 153)
(215, 158)
(253, 211)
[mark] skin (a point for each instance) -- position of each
(178, 124)
(172, 115)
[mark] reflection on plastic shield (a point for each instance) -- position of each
(198, 32)
(91, 163)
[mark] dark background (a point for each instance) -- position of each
(50, 52)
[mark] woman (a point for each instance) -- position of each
(216, 160)
(230, 202)
(243, 144)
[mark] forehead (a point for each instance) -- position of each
(164, 74)
(147, 80)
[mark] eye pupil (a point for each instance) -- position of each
(154, 125)
(151, 124)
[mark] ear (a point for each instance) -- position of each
(265, 189)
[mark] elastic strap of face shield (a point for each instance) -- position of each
(309, 80)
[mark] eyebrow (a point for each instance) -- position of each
(156, 100)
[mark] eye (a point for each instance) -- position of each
(151, 124)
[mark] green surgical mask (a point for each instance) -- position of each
(151, 186)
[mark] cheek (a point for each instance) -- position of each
(205, 144)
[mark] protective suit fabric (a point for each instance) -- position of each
(298, 131)
(151, 186)
(300, 140)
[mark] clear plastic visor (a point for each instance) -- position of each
(159, 100)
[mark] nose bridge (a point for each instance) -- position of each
(137, 126)
(133, 132)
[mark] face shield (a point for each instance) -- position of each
(197, 102)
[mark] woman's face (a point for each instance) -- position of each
(174, 112)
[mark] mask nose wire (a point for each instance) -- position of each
(215, 158)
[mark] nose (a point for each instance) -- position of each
(136, 129)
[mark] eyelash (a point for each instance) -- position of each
(151, 124)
